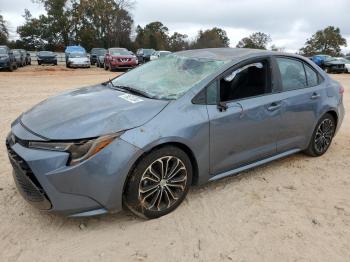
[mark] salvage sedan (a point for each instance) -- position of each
(142, 139)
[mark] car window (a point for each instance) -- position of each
(212, 93)
(312, 76)
(292, 74)
(250, 81)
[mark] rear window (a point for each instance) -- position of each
(312, 76)
(292, 74)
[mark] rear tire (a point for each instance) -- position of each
(159, 183)
(322, 136)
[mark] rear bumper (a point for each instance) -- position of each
(90, 188)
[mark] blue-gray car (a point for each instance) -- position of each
(141, 140)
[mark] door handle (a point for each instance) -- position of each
(315, 96)
(274, 106)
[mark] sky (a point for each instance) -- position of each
(288, 22)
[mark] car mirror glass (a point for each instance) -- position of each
(232, 76)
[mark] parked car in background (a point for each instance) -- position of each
(73, 49)
(346, 63)
(119, 58)
(28, 58)
(347, 57)
(158, 54)
(18, 57)
(23, 56)
(133, 54)
(100, 57)
(78, 59)
(7, 59)
(94, 53)
(46, 57)
(141, 140)
(144, 55)
(329, 64)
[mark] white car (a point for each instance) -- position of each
(346, 63)
(158, 54)
(78, 60)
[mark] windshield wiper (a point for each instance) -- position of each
(131, 90)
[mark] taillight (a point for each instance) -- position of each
(341, 90)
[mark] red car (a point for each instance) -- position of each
(119, 58)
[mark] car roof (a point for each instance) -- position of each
(225, 54)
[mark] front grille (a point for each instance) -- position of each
(124, 60)
(26, 182)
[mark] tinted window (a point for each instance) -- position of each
(248, 82)
(292, 74)
(312, 77)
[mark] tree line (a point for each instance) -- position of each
(109, 23)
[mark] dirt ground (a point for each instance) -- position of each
(295, 209)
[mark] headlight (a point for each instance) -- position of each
(79, 151)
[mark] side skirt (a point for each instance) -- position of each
(258, 163)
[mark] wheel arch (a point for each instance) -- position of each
(182, 146)
(334, 114)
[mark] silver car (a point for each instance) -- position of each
(142, 139)
(78, 59)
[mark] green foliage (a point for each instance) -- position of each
(93, 23)
(326, 41)
(153, 35)
(211, 38)
(4, 33)
(177, 42)
(256, 40)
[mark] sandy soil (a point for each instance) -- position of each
(295, 209)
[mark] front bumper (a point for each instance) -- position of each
(79, 65)
(4, 64)
(92, 187)
(116, 65)
(47, 61)
(337, 69)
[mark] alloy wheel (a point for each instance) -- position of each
(324, 135)
(163, 183)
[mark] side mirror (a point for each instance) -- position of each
(232, 76)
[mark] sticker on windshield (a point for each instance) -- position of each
(131, 98)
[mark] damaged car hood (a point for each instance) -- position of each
(90, 112)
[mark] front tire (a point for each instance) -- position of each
(11, 67)
(322, 136)
(159, 183)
